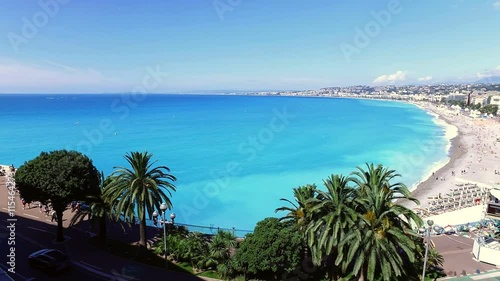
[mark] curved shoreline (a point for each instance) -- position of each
(452, 135)
(425, 187)
(473, 149)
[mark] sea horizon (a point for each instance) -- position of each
(234, 156)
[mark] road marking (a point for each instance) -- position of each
(5, 209)
(16, 273)
(42, 230)
(31, 216)
(115, 276)
(93, 266)
(458, 241)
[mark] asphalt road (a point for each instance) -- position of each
(23, 248)
(457, 253)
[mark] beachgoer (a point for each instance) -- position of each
(54, 216)
(24, 203)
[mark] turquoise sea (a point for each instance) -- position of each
(234, 156)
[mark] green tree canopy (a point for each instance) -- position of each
(60, 177)
(490, 109)
(273, 250)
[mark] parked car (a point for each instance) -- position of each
(49, 260)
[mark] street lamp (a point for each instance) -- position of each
(163, 208)
(155, 218)
(423, 231)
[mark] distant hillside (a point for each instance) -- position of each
(489, 80)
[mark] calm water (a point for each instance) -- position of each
(234, 156)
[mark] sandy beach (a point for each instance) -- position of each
(474, 155)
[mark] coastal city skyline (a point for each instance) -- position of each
(56, 46)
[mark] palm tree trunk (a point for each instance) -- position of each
(142, 228)
(102, 230)
(361, 276)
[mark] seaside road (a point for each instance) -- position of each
(91, 263)
(23, 248)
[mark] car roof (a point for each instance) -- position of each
(44, 252)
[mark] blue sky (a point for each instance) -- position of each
(91, 46)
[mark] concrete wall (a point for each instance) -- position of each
(485, 254)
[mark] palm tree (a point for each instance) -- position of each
(97, 208)
(382, 239)
(434, 258)
(140, 187)
(331, 217)
(195, 248)
(220, 247)
(297, 213)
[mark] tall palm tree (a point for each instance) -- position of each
(331, 217)
(381, 240)
(140, 190)
(297, 213)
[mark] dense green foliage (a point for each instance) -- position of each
(59, 177)
(202, 252)
(489, 109)
(355, 230)
(298, 212)
(271, 252)
(139, 191)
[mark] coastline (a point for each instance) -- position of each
(472, 149)
(453, 138)
(457, 149)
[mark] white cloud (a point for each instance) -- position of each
(391, 78)
(426, 78)
(49, 76)
(489, 73)
(496, 5)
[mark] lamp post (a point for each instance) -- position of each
(426, 232)
(155, 218)
(163, 208)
